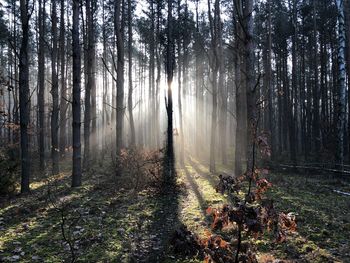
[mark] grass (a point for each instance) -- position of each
(118, 224)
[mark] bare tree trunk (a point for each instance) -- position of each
(250, 81)
(269, 85)
(87, 78)
(347, 26)
(24, 100)
(180, 63)
(105, 118)
(54, 92)
(92, 73)
(159, 68)
(214, 66)
(169, 102)
(120, 73)
(64, 103)
(316, 106)
(41, 84)
(341, 83)
(76, 176)
(151, 91)
(223, 93)
(130, 105)
(291, 118)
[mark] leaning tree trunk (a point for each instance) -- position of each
(341, 83)
(54, 92)
(24, 100)
(76, 176)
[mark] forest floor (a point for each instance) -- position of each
(108, 223)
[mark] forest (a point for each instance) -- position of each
(212, 131)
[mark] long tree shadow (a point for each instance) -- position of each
(194, 186)
(153, 240)
(206, 174)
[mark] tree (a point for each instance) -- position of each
(24, 100)
(92, 72)
(130, 103)
(63, 101)
(41, 83)
(249, 75)
(76, 176)
(341, 84)
(241, 99)
(119, 32)
(214, 65)
(90, 85)
(54, 92)
(169, 101)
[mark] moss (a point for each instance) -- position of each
(118, 222)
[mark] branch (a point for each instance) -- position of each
(104, 63)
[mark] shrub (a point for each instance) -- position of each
(140, 167)
(9, 171)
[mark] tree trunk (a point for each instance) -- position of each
(315, 106)
(341, 83)
(270, 86)
(130, 105)
(64, 103)
(92, 73)
(180, 63)
(241, 100)
(347, 26)
(291, 117)
(41, 84)
(250, 81)
(54, 92)
(76, 176)
(120, 73)
(24, 100)
(87, 71)
(214, 64)
(169, 102)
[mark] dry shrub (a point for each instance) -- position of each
(140, 168)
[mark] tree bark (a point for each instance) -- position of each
(315, 106)
(241, 99)
(120, 74)
(250, 81)
(130, 103)
(92, 73)
(87, 73)
(180, 63)
(63, 103)
(24, 100)
(341, 83)
(54, 92)
(214, 64)
(169, 102)
(41, 84)
(76, 176)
